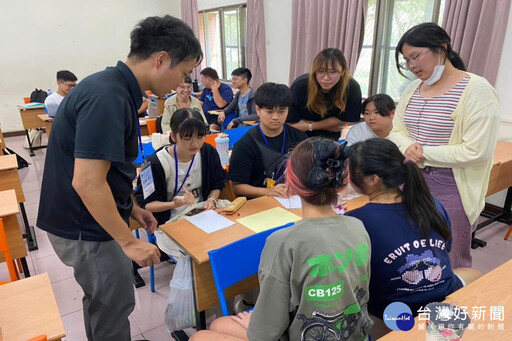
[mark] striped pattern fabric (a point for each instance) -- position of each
(428, 120)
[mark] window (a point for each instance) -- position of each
(386, 22)
(222, 33)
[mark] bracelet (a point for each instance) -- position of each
(214, 200)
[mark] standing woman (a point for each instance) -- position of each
(447, 122)
(326, 97)
(182, 99)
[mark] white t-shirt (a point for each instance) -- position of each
(52, 103)
(359, 132)
(193, 182)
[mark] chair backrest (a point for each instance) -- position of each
(159, 124)
(236, 134)
(237, 261)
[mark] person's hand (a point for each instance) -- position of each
(210, 204)
(145, 218)
(415, 153)
(243, 318)
(302, 125)
(187, 199)
(280, 190)
(230, 125)
(141, 252)
(215, 85)
(221, 118)
(144, 106)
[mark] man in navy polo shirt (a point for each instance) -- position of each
(216, 95)
(86, 193)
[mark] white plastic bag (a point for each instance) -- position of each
(36, 137)
(180, 312)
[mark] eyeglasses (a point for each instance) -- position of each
(416, 60)
(330, 74)
(69, 85)
(185, 87)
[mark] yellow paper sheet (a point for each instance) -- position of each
(268, 219)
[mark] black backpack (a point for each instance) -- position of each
(274, 162)
(38, 96)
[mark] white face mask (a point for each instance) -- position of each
(436, 74)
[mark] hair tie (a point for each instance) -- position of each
(405, 161)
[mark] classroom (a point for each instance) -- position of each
(352, 178)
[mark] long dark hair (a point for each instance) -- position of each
(432, 36)
(383, 158)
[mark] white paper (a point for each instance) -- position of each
(210, 221)
(291, 202)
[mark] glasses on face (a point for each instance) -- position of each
(329, 73)
(185, 87)
(69, 85)
(415, 60)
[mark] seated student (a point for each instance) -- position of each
(246, 169)
(301, 263)
(378, 112)
(243, 103)
(198, 179)
(410, 230)
(66, 80)
(181, 99)
(216, 95)
(143, 109)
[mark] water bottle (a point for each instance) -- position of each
(49, 92)
(222, 142)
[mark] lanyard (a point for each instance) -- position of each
(176, 190)
(266, 141)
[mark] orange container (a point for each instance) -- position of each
(151, 126)
(148, 92)
(210, 139)
(26, 100)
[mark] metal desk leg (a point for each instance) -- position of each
(29, 230)
(24, 265)
(31, 152)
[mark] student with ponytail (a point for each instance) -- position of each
(314, 271)
(447, 123)
(409, 230)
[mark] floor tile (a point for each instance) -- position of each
(57, 270)
(44, 249)
(68, 295)
(74, 326)
(486, 260)
(157, 334)
(494, 235)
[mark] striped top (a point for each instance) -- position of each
(428, 120)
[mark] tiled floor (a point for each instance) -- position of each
(147, 320)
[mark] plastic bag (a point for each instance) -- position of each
(180, 312)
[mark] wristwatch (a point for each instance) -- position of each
(310, 127)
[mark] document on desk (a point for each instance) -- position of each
(210, 221)
(268, 219)
(291, 202)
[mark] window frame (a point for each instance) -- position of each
(242, 41)
(381, 42)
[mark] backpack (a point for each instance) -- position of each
(274, 162)
(38, 96)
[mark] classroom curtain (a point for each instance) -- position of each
(256, 43)
(190, 16)
(320, 24)
(477, 29)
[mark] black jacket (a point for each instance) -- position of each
(213, 177)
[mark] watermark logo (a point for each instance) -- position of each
(398, 316)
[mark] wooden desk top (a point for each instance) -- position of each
(45, 118)
(29, 309)
(503, 152)
(197, 243)
(8, 162)
(8, 204)
(492, 289)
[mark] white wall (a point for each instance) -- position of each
(39, 38)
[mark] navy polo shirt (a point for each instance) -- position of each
(97, 120)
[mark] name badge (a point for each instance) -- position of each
(146, 179)
(270, 183)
